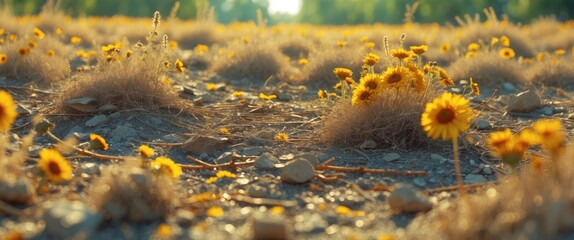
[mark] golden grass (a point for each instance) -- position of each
(488, 69)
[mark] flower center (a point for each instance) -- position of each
(364, 95)
(372, 85)
(445, 116)
(54, 168)
(395, 77)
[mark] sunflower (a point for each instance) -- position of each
(498, 139)
(51, 53)
(396, 76)
(350, 82)
(166, 165)
(550, 134)
(505, 41)
(444, 47)
(322, 94)
(371, 59)
(470, 54)
(446, 116)
(97, 142)
(281, 137)
(24, 51)
(473, 47)
(341, 43)
(528, 137)
(55, 167)
(494, 41)
(474, 88)
(3, 58)
(362, 96)
(512, 152)
(400, 53)
(38, 33)
(7, 111)
(444, 79)
(418, 50)
(303, 61)
(32, 44)
(372, 82)
(145, 151)
(343, 73)
(179, 65)
(507, 53)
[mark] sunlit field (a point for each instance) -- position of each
(162, 127)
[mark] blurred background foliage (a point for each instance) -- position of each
(312, 11)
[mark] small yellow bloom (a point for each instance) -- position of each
(211, 86)
(494, 41)
(418, 50)
(59, 31)
(474, 87)
(201, 49)
(362, 96)
(281, 137)
(97, 142)
(395, 77)
(470, 54)
(343, 73)
(559, 52)
(7, 111)
(370, 45)
(54, 166)
(444, 47)
(110, 48)
(179, 65)
(507, 53)
(145, 151)
(76, 40)
(3, 58)
(32, 44)
(400, 53)
(341, 43)
(164, 164)
(505, 41)
(550, 133)
(322, 94)
(24, 51)
(211, 180)
(303, 61)
(172, 44)
(237, 94)
(371, 59)
(446, 116)
(225, 174)
(267, 97)
(38, 33)
(163, 231)
(223, 131)
(12, 37)
(342, 210)
(51, 52)
(473, 47)
(277, 210)
(214, 211)
(372, 82)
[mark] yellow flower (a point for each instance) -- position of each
(342, 73)
(473, 47)
(200, 49)
(51, 52)
(418, 50)
(24, 51)
(225, 174)
(507, 53)
(498, 139)
(349, 81)
(371, 59)
(38, 33)
(512, 152)
(13, 37)
(59, 31)
(97, 142)
(163, 231)
(341, 43)
(470, 54)
(281, 137)
(372, 82)
(370, 45)
(505, 41)
(303, 61)
(444, 79)
(550, 133)
(166, 165)
(237, 94)
(7, 111)
(214, 211)
(211, 180)
(267, 97)
(223, 131)
(32, 44)
(396, 76)
(474, 87)
(400, 53)
(179, 65)
(559, 52)
(342, 210)
(494, 41)
(277, 210)
(77, 40)
(172, 44)
(145, 151)
(322, 94)
(364, 39)
(446, 116)
(110, 48)
(54, 166)
(3, 58)
(528, 137)
(362, 96)
(211, 86)
(444, 47)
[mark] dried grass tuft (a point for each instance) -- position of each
(488, 69)
(296, 47)
(189, 35)
(126, 192)
(550, 73)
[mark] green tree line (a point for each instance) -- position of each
(312, 11)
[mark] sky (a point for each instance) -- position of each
(284, 6)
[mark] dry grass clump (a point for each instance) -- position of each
(550, 73)
(52, 19)
(256, 61)
(484, 33)
(127, 192)
(488, 69)
(534, 204)
(318, 73)
(189, 35)
(31, 59)
(296, 47)
(390, 121)
(126, 82)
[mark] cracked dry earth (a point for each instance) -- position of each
(277, 194)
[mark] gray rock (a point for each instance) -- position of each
(391, 157)
(548, 110)
(419, 182)
(203, 156)
(224, 158)
(297, 171)
(436, 157)
(96, 120)
(509, 87)
(487, 170)
(270, 226)
(311, 158)
(524, 102)
(481, 124)
(18, 191)
(204, 144)
(405, 198)
(474, 178)
(173, 138)
(251, 151)
(368, 144)
(266, 161)
(123, 132)
(70, 219)
(91, 168)
(257, 191)
(78, 132)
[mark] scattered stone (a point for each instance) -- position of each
(474, 178)
(509, 87)
(548, 110)
(368, 144)
(18, 191)
(70, 220)
(365, 184)
(108, 108)
(287, 157)
(204, 144)
(203, 156)
(266, 161)
(123, 132)
(224, 158)
(156, 121)
(472, 162)
(284, 97)
(96, 120)
(481, 124)
(524, 102)
(297, 171)
(436, 157)
(419, 182)
(85, 105)
(311, 158)
(252, 151)
(405, 198)
(270, 226)
(257, 191)
(91, 168)
(173, 138)
(390, 157)
(487, 170)
(77, 131)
